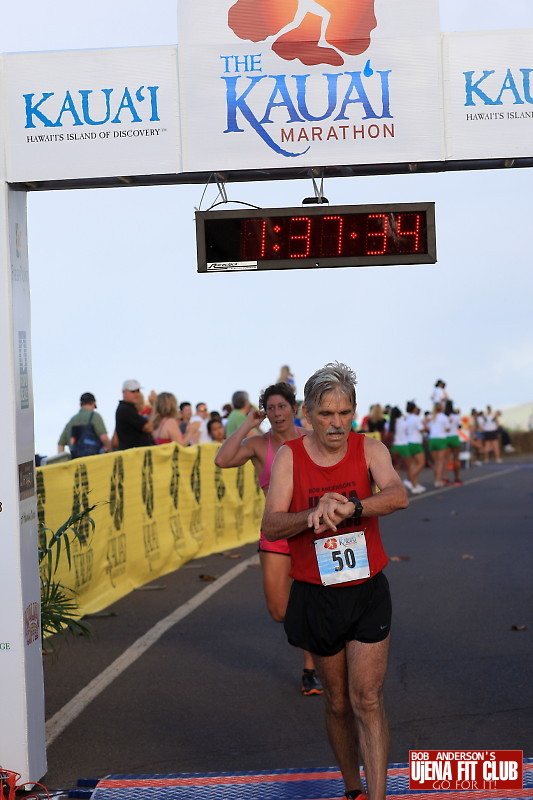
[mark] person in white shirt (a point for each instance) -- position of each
(454, 442)
(198, 425)
(415, 428)
(491, 437)
(401, 458)
(438, 427)
(439, 395)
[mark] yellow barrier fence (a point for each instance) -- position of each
(156, 509)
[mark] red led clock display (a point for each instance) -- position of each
(320, 236)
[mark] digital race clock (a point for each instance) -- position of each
(318, 236)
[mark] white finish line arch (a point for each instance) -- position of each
(413, 100)
(22, 740)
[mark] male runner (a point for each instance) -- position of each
(321, 500)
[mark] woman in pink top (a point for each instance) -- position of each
(279, 407)
(165, 420)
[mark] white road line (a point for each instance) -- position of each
(62, 718)
(485, 477)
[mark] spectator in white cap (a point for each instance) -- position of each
(132, 429)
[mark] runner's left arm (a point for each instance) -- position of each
(392, 494)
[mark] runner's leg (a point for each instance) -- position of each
(367, 665)
(340, 721)
(276, 582)
(276, 587)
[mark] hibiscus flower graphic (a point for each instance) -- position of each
(312, 31)
(331, 544)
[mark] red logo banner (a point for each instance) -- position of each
(470, 770)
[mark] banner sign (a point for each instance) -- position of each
(268, 84)
(100, 113)
(499, 771)
(286, 82)
(156, 509)
(489, 94)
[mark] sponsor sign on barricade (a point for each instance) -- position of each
(156, 508)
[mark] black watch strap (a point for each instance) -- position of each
(358, 507)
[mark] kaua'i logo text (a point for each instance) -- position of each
(80, 502)
(490, 88)
(196, 478)
(347, 104)
(220, 486)
(91, 107)
(116, 492)
(148, 483)
(174, 488)
(239, 482)
(311, 31)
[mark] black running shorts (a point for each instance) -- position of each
(322, 619)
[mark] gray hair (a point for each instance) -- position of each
(333, 377)
(239, 399)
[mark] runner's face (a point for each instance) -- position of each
(280, 413)
(332, 420)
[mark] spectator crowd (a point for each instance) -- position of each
(440, 438)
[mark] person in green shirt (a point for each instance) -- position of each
(87, 407)
(241, 408)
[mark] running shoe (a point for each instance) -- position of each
(408, 484)
(310, 683)
(418, 489)
(457, 483)
(438, 484)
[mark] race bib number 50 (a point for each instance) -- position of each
(342, 558)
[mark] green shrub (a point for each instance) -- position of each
(59, 609)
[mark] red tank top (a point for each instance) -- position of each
(310, 482)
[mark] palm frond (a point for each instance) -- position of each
(59, 608)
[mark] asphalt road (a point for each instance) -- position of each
(219, 690)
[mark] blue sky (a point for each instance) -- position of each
(115, 293)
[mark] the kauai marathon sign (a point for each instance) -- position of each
(279, 82)
(268, 84)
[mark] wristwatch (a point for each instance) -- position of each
(358, 507)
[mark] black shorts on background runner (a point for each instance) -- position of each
(322, 619)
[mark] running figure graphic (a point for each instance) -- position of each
(312, 31)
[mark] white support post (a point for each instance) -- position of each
(22, 732)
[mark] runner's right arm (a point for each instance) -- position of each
(237, 449)
(278, 522)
